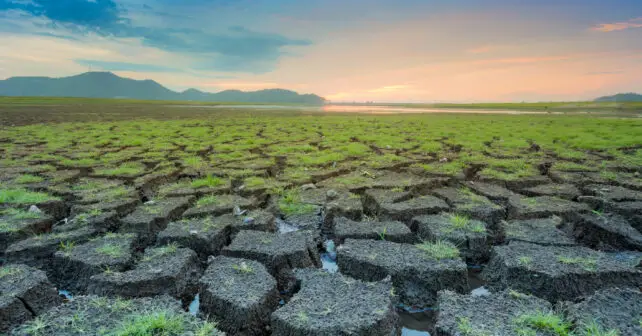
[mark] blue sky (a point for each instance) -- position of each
(403, 50)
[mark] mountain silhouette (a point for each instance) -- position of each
(621, 97)
(109, 85)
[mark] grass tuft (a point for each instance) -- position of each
(439, 250)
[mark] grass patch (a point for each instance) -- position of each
(547, 322)
(290, 204)
(26, 179)
(111, 250)
(243, 268)
(208, 181)
(439, 250)
(22, 196)
(588, 264)
(17, 214)
(207, 200)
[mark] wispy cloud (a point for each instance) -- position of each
(616, 26)
(236, 49)
(389, 88)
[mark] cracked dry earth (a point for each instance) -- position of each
(343, 252)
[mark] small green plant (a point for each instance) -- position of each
(208, 181)
(524, 261)
(459, 221)
(588, 264)
(302, 316)
(207, 200)
(290, 204)
(111, 250)
(36, 327)
(254, 181)
(160, 251)
(516, 295)
(439, 250)
(207, 329)
(609, 175)
(595, 329)
(8, 270)
(243, 268)
(598, 213)
(382, 234)
(67, 247)
(464, 326)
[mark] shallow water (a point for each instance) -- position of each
(369, 109)
(194, 305)
(328, 264)
(66, 294)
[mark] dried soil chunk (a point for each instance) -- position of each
(541, 231)
(464, 201)
(493, 314)
(74, 265)
(13, 229)
(558, 272)
(206, 235)
(333, 304)
(617, 309)
(24, 292)
(395, 231)
(469, 235)
(494, 192)
(612, 193)
(152, 217)
(416, 275)
(543, 206)
(163, 270)
(239, 293)
(565, 191)
(257, 220)
(606, 232)
(278, 252)
(122, 206)
(218, 205)
(37, 251)
(399, 207)
(93, 315)
(347, 205)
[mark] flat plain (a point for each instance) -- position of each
(127, 205)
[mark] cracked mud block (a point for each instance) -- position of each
(417, 275)
(565, 191)
(240, 294)
(469, 235)
(280, 253)
(93, 315)
(631, 211)
(38, 251)
(543, 206)
(492, 314)
(122, 207)
(333, 304)
(345, 205)
(361, 180)
(559, 272)
(205, 235)
(464, 201)
(256, 220)
(618, 309)
(25, 292)
(310, 220)
(13, 228)
(107, 195)
(541, 231)
(162, 270)
(101, 221)
(493, 192)
(219, 205)
(387, 205)
(605, 232)
(394, 231)
(152, 217)
(518, 183)
(74, 265)
(612, 193)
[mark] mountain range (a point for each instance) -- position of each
(109, 85)
(621, 97)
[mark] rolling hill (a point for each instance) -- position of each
(109, 85)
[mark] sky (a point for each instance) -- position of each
(343, 50)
